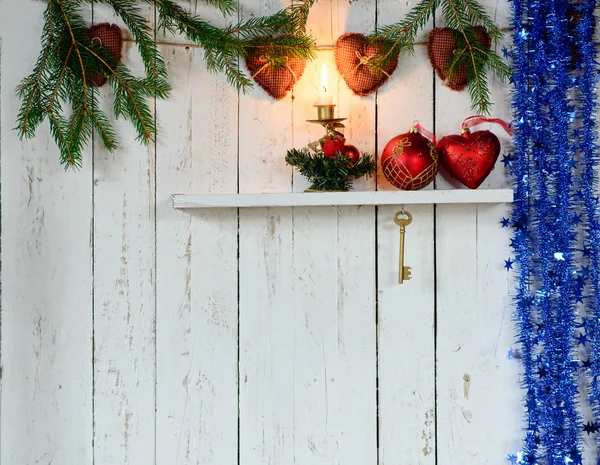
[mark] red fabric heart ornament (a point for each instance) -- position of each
(276, 82)
(109, 37)
(441, 45)
(471, 156)
(409, 161)
(352, 56)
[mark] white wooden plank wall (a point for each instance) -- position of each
(133, 333)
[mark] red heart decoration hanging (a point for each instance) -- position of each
(107, 36)
(352, 55)
(441, 45)
(470, 157)
(409, 161)
(277, 82)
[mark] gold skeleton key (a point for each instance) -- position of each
(403, 271)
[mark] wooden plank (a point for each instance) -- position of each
(475, 330)
(266, 398)
(335, 414)
(266, 276)
(335, 408)
(423, 197)
(197, 407)
(46, 274)
(124, 285)
(406, 312)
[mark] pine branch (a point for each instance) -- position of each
(70, 66)
(476, 15)
(143, 35)
(330, 173)
(400, 37)
(469, 56)
(224, 47)
(31, 113)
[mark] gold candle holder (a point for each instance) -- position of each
(325, 117)
(331, 125)
(325, 112)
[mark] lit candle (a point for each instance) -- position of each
(325, 98)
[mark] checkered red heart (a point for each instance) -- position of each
(107, 36)
(440, 48)
(277, 82)
(352, 55)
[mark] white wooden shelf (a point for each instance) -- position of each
(323, 199)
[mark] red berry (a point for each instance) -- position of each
(333, 145)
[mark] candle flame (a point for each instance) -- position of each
(324, 77)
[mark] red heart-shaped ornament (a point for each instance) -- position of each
(470, 157)
(352, 56)
(107, 36)
(277, 82)
(441, 45)
(409, 161)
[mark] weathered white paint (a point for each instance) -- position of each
(124, 289)
(475, 328)
(46, 261)
(407, 311)
(196, 334)
(250, 335)
(423, 197)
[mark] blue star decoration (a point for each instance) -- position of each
(505, 52)
(587, 251)
(542, 372)
(512, 458)
(512, 353)
(507, 160)
(581, 339)
(585, 270)
(576, 219)
(591, 427)
(586, 364)
(508, 264)
(574, 458)
(586, 322)
(505, 222)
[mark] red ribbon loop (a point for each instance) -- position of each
(475, 120)
(425, 132)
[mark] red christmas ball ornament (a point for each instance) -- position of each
(351, 152)
(471, 156)
(410, 161)
(333, 145)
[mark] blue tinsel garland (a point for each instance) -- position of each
(555, 210)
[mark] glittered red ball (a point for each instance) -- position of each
(470, 157)
(409, 161)
(352, 153)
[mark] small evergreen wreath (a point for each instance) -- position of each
(332, 165)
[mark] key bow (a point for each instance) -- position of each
(402, 222)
